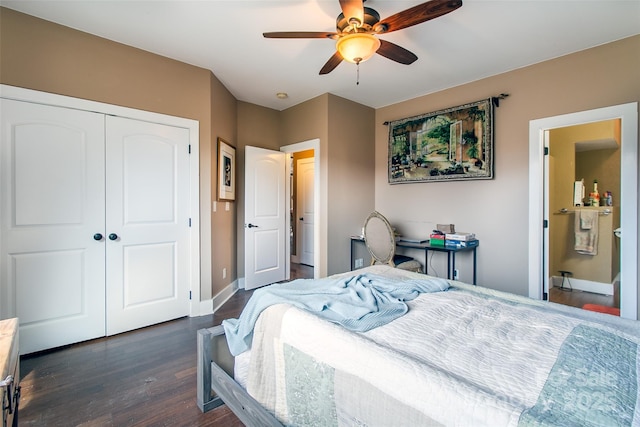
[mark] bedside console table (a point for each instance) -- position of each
(426, 247)
(9, 372)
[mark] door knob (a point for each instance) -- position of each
(113, 236)
(97, 236)
(252, 226)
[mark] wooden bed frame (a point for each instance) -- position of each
(216, 385)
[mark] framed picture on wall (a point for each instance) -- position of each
(446, 145)
(226, 171)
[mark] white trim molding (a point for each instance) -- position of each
(34, 96)
(628, 113)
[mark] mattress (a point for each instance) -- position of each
(241, 368)
(467, 356)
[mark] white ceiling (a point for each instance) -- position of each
(481, 39)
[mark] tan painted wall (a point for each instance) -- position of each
(602, 165)
(257, 127)
(602, 267)
(351, 176)
(345, 131)
(85, 66)
(40, 55)
(223, 221)
(571, 165)
(303, 122)
(497, 210)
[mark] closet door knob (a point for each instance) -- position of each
(113, 236)
(97, 237)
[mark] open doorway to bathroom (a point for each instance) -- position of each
(544, 276)
(584, 207)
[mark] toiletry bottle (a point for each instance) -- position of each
(595, 194)
(608, 199)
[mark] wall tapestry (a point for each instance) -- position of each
(447, 145)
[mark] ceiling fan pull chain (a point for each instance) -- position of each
(357, 73)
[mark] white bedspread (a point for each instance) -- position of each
(458, 357)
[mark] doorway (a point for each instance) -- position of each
(307, 266)
(583, 173)
(302, 207)
(541, 209)
(268, 241)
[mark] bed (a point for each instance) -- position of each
(464, 356)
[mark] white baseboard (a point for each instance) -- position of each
(211, 305)
(584, 285)
(223, 296)
(206, 307)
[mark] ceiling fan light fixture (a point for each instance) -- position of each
(357, 47)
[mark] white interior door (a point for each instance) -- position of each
(305, 209)
(265, 217)
(147, 223)
(53, 217)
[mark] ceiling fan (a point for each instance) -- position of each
(357, 27)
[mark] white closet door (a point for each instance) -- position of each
(147, 223)
(52, 192)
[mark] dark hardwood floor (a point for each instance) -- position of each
(145, 377)
(301, 271)
(578, 298)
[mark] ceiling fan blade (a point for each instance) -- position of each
(396, 53)
(331, 64)
(353, 9)
(418, 14)
(299, 35)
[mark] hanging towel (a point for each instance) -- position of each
(586, 232)
(587, 219)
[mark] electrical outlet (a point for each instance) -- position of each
(456, 274)
(359, 263)
(224, 273)
(226, 206)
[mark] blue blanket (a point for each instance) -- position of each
(358, 303)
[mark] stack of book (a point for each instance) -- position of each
(460, 240)
(437, 239)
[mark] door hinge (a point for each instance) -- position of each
(189, 222)
(189, 148)
(545, 296)
(189, 294)
(545, 223)
(546, 151)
